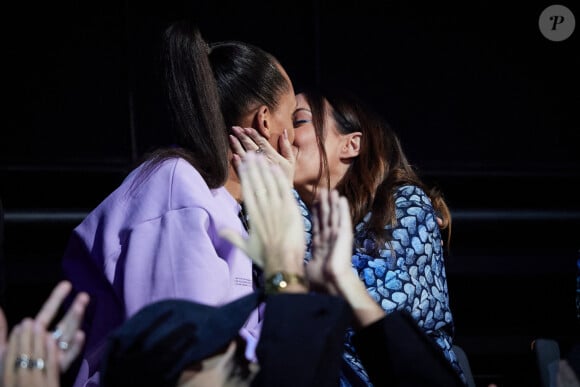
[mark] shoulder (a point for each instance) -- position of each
(173, 179)
(412, 195)
(413, 205)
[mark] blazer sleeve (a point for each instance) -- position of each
(396, 352)
(301, 340)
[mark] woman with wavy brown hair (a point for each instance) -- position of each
(340, 143)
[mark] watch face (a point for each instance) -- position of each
(278, 279)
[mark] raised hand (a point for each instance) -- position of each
(330, 269)
(68, 336)
(276, 237)
(332, 241)
(31, 358)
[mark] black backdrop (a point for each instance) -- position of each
(468, 86)
(487, 108)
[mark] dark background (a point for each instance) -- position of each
(486, 107)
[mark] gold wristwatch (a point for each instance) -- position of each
(281, 280)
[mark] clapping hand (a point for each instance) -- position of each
(276, 237)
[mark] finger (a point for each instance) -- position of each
(69, 326)
(286, 146)
(234, 238)
(254, 188)
(281, 183)
(51, 364)
(250, 139)
(67, 357)
(38, 352)
(254, 137)
(26, 337)
(3, 331)
(53, 303)
(247, 176)
(10, 357)
(236, 146)
(334, 217)
(244, 139)
(271, 182)
(267, 194)
(345, 218)
(236, 161)
(324, 215)
(237, 240)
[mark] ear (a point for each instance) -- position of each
(351, 145)
(261, 121)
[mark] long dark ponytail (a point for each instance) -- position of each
(194, 106)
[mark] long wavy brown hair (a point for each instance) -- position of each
(379, 169)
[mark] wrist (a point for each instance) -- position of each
(366, 310)
(285, 282)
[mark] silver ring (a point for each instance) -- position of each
(57, 333)
(62, 344)
(22, 361)
(259, 150)
(37, 364)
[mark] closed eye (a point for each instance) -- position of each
(301, 122)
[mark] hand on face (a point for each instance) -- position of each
(249, 140)
(276, 238)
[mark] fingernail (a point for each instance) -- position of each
(285, 133)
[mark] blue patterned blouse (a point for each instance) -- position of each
(409, 274)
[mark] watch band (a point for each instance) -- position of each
(281, 280)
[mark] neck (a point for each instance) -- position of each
(233, 184)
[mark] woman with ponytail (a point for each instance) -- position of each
(156, 236)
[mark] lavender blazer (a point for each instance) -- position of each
(154, 238)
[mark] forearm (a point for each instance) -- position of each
(365, 309)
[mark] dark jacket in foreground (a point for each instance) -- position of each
(301, 345)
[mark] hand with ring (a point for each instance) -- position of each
(247, 140)
(67, 335)
(31, 358)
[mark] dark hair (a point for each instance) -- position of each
(246, 77)
(379, 169)
(209, 88)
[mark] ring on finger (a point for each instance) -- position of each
(37, 364)
(260, 150)
(22, 361)
(57, 333)
(62, 344)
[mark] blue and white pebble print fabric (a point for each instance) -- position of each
(407, 273)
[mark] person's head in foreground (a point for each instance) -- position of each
(180, 343)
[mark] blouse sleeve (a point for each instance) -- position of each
(408, 272)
